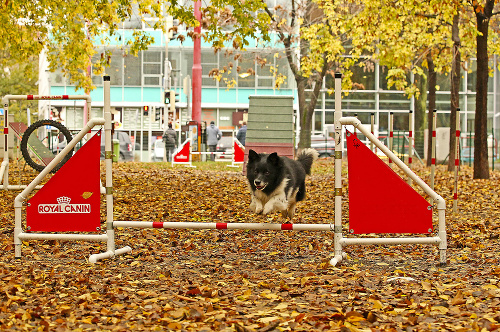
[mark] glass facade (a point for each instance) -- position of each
(138, 81)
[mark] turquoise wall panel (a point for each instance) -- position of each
(209, 95)
(58, 90)
(151, 94)
(243, 95)
(264, 92)
(131, 94)
(97, 94)
(157, 36)
(226, 96)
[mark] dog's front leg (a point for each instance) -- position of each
(276, 203)
(256, 205)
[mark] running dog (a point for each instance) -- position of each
(278, 183)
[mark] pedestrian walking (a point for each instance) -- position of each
(242, 133)
(170, 140)
(213, 136)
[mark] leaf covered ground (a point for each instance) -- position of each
(214, 280)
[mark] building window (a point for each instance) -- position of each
(363, 75)
(175, 74)
(74, 117)
(246, 71)
(228, 65)
(151, 67)
(208, 62)
(264, 73)
(57, 78)
(115, 69)
(132, 70)
(283, 70)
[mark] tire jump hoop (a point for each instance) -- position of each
(4, 169)
(339, 240)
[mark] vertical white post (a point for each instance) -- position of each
(391, 134)
(372, 129)
(108, 148)
(5, 162)
(88, 102)
(338, 171)
(108, 155)
(443, 244)
(457, 162)
(410, 143)
(433, 149)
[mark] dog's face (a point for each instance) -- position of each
(262, 170)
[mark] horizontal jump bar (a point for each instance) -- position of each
(390, 240)
(62, 236)
(219, 225)
(41, 97)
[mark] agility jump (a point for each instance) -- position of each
(4, 169)
(183, 154)
(378, 221)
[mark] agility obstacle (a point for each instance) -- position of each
(4, 169)
(183, 154)
(413, 213)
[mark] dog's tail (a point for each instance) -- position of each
(306, 157)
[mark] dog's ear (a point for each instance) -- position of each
(273, 158)
(253, 156)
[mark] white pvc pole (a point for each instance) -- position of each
(62, 236)
(433, 149)
(410, 143)
(391, 134)
(372, 129)
(4, 171)
(110, 231)
(229, 226)
(111, 250)
(338, 254)
(391, 240)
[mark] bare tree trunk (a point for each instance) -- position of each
(455, 88)
(305, 118)
(481, 170)
(432, 104)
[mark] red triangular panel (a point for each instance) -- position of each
(70, 201)
(182, 156)
(379, 200)
(239, 153)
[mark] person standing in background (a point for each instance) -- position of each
(242, 133)
(170, 140)
(213, 136)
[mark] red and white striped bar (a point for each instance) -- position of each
(41, 97)
(457, 161)
(220, 225)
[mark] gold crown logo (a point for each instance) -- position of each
(63, 200)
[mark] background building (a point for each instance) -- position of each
(139, 81)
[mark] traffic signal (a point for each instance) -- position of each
(157, 114)
(173, 99)
(145, 110)
(167, 97)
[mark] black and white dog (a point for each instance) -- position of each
(278, 183)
